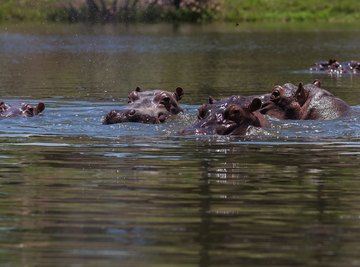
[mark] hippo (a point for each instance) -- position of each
(229, 116)
(23, 110)
(333, 66)
(304, 102)
(151, 107)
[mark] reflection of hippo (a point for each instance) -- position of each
(333, 66)
(147, 107)
(24, 110)
(305, 102)
(228, 116)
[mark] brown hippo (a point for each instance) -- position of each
(229, 116)
(150, 107)
(23, 110)
(336, 67)
(305, 102)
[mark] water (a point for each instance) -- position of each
(75, 192)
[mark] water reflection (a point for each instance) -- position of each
(226, 202)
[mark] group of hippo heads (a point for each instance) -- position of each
(233, 115)
(228, 116)
(22, 110)
(333, 66)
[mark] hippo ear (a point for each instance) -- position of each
(300, 94)
(211, 100)
(255, 105)
(39, 108)
(138, 89)
(317, 83)
(178, 93)
(202, 111)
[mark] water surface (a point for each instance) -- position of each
(75, 192)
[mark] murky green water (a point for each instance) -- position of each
(75, 192)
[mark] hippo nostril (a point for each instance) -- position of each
(161, 117)
(176, 110)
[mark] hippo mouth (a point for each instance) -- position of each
(226, 128)
(132, 115)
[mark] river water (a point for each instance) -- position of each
(75, 192)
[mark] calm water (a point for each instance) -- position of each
(77, 193)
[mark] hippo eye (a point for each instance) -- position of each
(165, 100)
(232, 113)
(276, 93)
(235, 115)
(132, 112)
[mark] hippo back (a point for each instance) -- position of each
(323, 105)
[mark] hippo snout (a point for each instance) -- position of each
(131, 115)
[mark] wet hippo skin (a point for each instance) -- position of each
(229, 116)
(305, 102)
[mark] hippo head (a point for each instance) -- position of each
(169, 100)
(285, 102)
(354, 66)
(237, 119)
(133, 115)
(331, 64)
(23, 110)
(29, 110)
(150, 107)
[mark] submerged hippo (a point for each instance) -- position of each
(229, 116)
(304, 102)
(23, 110)
(336, 67)
(150, 107)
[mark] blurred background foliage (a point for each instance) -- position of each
(179, 10)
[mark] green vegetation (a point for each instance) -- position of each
(179, 10)
(291, 10)
(36, 10)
